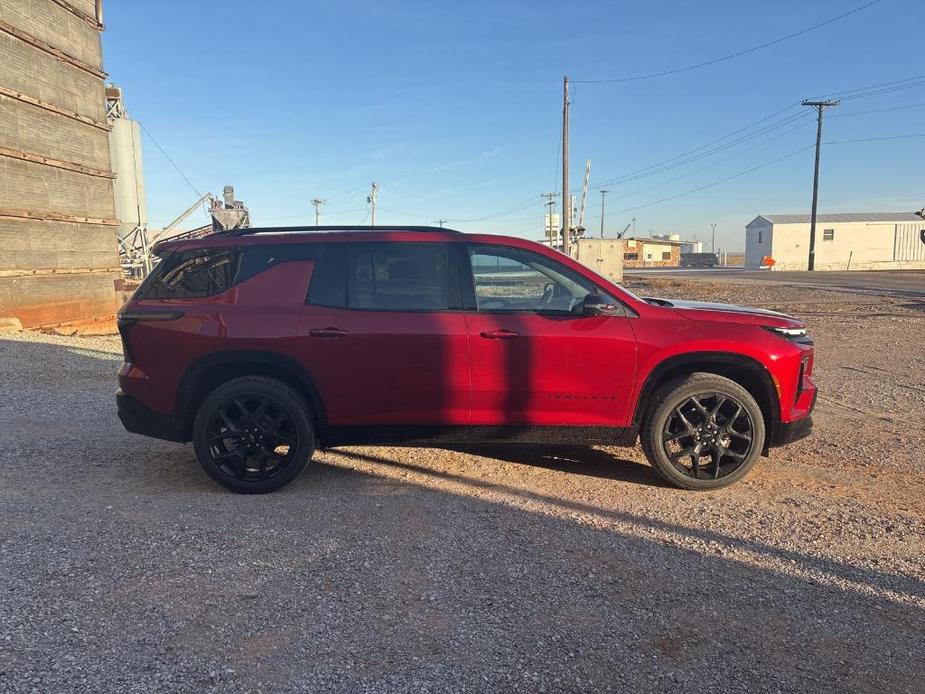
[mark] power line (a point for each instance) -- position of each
(717, 162)
(716, 183)
(696, 154)
(876, 139)
(730, 56)
(886, 90)
(508, 210)
(873, 89)
(167, 156)
(764, 165)
(877, 110)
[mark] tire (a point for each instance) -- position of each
(253, 434)
(703, 416)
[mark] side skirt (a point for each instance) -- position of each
(440, 435)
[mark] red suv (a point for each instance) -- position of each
(262, 345)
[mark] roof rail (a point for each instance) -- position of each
(295, 230)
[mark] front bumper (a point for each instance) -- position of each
(138, 418)
(788, 432)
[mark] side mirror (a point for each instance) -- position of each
(597, 305)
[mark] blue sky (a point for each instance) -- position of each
(454, 109)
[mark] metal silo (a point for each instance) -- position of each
(125, 153)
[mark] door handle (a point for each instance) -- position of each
(327, 332)
(500, 334)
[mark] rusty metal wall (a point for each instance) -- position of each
(58, 253)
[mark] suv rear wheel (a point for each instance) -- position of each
(253, 434)
(705, 432)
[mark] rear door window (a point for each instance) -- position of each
(399, 277)
(386, 277)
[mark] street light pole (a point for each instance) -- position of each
(713, 242)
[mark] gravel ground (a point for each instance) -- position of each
(124, 568)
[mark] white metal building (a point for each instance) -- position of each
(848, 241)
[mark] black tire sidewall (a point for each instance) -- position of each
(288, 398)
(672, 394)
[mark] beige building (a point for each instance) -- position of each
(658, 251)
(848, 241)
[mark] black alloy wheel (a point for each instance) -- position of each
(253, 434)
(703, 431)
(708, 436)
(251, 437)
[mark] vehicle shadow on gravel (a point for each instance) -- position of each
(576, 460)
(126, 567)
(865, 579)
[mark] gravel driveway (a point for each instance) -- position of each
(124, 568)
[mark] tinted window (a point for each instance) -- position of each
(193, 274)
(255, 259)
(398, 277)
(329, 280)
(508, 279)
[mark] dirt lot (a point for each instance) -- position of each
(125, 568)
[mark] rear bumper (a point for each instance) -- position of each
(138, 418)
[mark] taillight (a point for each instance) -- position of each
(126, 319)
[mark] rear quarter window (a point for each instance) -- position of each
(206, 272)
(193, 274)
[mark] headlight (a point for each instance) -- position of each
(793, 334)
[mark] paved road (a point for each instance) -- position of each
(896, 282)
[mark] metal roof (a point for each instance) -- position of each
(654, 241)
(840, 217)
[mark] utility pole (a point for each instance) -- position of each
(317, 202)
(603, 193)
(713, 242)
(550, 204)
(566, 198)
(820, 106)
(440, 222)
(371, 199)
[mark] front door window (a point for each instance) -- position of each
(507, 279)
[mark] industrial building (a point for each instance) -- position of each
(664, 251)
(846, 241)
(58, 257)
(604, 256)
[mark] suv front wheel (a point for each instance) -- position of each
(253, 434)
(705, 432)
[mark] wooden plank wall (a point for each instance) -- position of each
(58, 249)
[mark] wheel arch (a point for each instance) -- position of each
(206, 374)
(744, 370)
